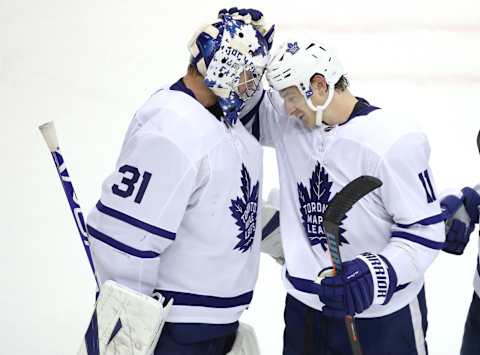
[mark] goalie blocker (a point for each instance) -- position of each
(130, 323)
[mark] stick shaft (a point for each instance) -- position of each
(50, 136)
(336, 211)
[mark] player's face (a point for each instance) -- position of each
(247, 85)
(295, 105)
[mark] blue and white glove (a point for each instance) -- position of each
(368, 279)
(462, 215)
(253, 17)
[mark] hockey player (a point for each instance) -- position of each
(464, 211)
(324, 138)
(178, 217)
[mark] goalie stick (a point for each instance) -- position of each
(337, 208)
(116, 303)
(50, 135)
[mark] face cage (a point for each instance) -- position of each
(234, 78)
(235, 102)
(253, 78)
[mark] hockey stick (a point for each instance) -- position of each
(341, 203)
(50, 136)
(114, 298)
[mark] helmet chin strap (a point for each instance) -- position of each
(320, 108)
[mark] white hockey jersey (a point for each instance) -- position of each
(179, 214)
(401, 220)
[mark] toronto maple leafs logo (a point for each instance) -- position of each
(313, 204)
(292, 47)
(244, 210)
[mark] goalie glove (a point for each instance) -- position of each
(271, 239)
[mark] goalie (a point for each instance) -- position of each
(177, 219)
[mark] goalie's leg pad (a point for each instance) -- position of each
(245, 342)
(129, 322)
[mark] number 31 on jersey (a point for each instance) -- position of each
(128, 185)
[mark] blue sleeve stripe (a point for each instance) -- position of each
(309, 286)
(426, 221)
(416, 239)
(120, 246)
(135, 222)
(271, 225)
(303, 285)
(402, 286)
(190, 299)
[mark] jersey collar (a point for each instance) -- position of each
(361, 108)
(179, 85)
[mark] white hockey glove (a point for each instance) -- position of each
(271, 239)
(124, 322)
(245, 341)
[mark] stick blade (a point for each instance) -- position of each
(50, 135)
(344, 200)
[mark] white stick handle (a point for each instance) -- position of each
(50, 135)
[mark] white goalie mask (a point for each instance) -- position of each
(296, 62)
(232, 56)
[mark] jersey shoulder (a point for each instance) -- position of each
(176, 116)
(384, 132)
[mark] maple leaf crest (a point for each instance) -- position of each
(244, 210)
(313, 204)
(292, 47)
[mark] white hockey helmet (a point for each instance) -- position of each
(296, 62)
